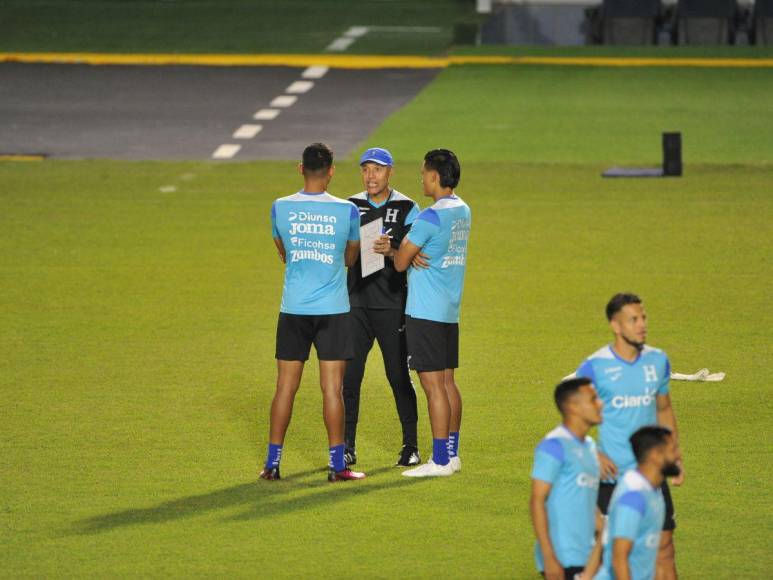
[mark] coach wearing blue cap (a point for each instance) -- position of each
(378, 306)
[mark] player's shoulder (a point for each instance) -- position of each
(359, 198)
(553, 443)
(297, 196)
(633, 480)
(429, 215)
(634, 499)
(398, 198)
(604, 354)
(652, 352)
(450, 202)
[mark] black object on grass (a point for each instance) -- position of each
(672, 162)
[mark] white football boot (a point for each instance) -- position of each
(430, 469)
(456, 463)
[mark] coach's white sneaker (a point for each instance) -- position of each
(430, 469)
(456, 463)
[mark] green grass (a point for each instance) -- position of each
(138, 334)
(138, 371)
(588, 114)
(659, 51)
(226, 26)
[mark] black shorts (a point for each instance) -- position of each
(330, 334)
(605, 494)
(569, 573)
(432, 346)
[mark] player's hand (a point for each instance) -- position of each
(383, 245)
(420, 260)
(679, 479)
(553, 569)
(608, 467)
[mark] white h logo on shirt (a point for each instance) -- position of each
(650, 374)
(391, 216)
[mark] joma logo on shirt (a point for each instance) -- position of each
(306, 228)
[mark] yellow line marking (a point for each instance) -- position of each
(371, 61)
(21, 158)
(293, 60)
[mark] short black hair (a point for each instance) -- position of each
(317, 158)
(446, 164)
(565, 389)
(619, 300)
(648, 438)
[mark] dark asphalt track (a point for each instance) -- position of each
(186, 112)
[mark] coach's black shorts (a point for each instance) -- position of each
(432, 346)
(329, 333)
(605, 494)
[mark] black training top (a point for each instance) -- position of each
(388, 287)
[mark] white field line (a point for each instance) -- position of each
(283, 101)
(299, 87)
(266, 114)
(226, 151)
(344, 41)
(340, 44)
(247, 131)
(315, 72)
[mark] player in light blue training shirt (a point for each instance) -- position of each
(314, 228)
(565, 483)
(633, 381)
(437, 248)
(637, 509)
(317, 236)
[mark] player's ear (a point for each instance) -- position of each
(331, 171)
(300, 168)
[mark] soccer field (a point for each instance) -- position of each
(138, 335)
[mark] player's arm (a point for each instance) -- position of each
(540, 491)
(281, 248)
(405, 255)
(621, 549)
(277, 237)
(352, 252)
(667, 418)
(594, 560)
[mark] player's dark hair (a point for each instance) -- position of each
(446, 164)
(617, 302)
(317, 159)
(647, 438)
(566, 389)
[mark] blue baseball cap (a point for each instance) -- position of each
(377, 155)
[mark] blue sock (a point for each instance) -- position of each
(453, 444)
(274, 455)
(440, 451)
(337, 458)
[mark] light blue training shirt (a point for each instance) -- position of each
(629, 391)
(442, 232)
(571, 466)
(314, 228)
(636, 512)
